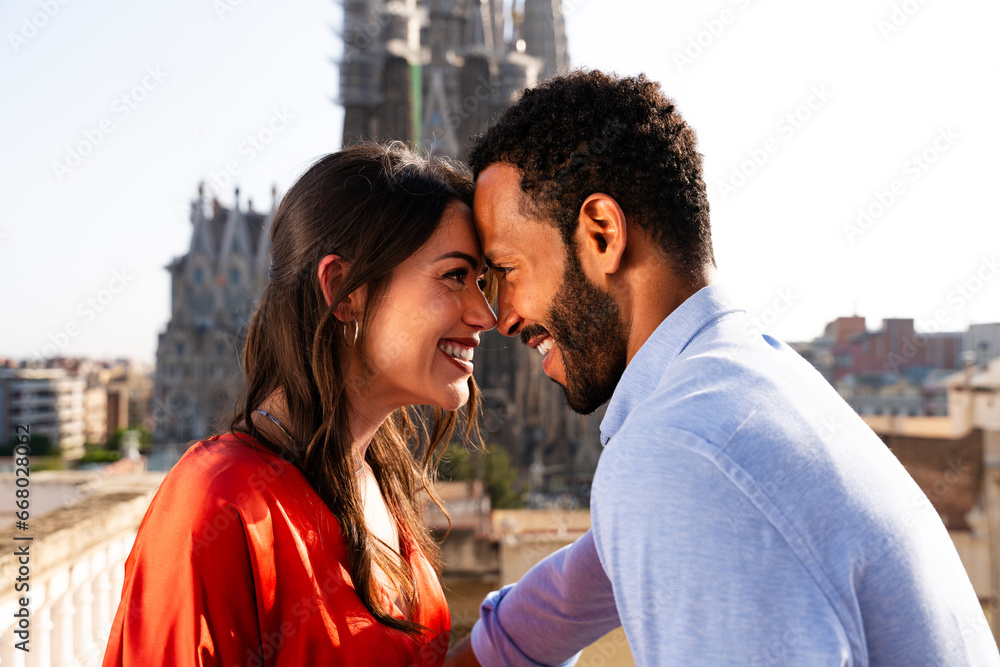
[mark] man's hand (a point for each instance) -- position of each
(461, 655)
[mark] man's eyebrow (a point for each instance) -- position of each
(458, 254)
(492, 255)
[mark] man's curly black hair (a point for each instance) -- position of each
(587, 132)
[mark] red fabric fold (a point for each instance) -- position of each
(238, 562)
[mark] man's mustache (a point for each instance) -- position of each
(533, 331)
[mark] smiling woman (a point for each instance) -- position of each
(426, 330)
(296, 537)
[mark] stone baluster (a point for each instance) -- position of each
(61, 600)
(82, 595)
(76, 583)
(102, 594)
(117, 553)
(41, 636)
(9, 654)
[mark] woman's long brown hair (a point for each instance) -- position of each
(374, 205)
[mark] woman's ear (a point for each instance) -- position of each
(331, 272)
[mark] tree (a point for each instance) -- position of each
(500, 478)
(40, 445)
(115, 441)
(493, 466)
(455, 464)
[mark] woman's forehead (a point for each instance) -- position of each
(455, 232)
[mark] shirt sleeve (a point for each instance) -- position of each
(701, 577)
(561, 606)
(189, 596)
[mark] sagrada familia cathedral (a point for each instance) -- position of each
(432, 73)
(213, 290)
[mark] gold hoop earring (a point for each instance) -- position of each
(353, 339)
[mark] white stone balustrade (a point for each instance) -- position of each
(75, 574)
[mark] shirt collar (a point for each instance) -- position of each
(647, 367)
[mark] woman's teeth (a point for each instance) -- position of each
(456, 351)
(545, 346)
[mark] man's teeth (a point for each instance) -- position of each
(456, 351)
(545, 346)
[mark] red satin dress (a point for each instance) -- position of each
(239, 562)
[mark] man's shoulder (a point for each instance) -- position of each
(759, 414)
(723, 377)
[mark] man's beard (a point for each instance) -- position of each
(585, 323)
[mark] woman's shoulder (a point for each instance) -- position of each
(233, 465)
(232, 449)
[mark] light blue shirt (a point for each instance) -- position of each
(743, 514)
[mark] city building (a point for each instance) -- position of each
(49, 401)
(882, 395)
(129, 402)
(983, 341)
(123, 389)
(895, 370)
(895, 349)
(974, 398)
(116, 394)
(95, 414)
(213, 291)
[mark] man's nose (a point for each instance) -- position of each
(508, 319)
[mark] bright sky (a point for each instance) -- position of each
(806, 113)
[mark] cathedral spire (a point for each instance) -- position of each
(434, 72)
(544, 33)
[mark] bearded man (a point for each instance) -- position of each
(742, 513)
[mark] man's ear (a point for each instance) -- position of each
(601, 234)
(331, 272)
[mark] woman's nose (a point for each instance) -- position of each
(479, 314)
